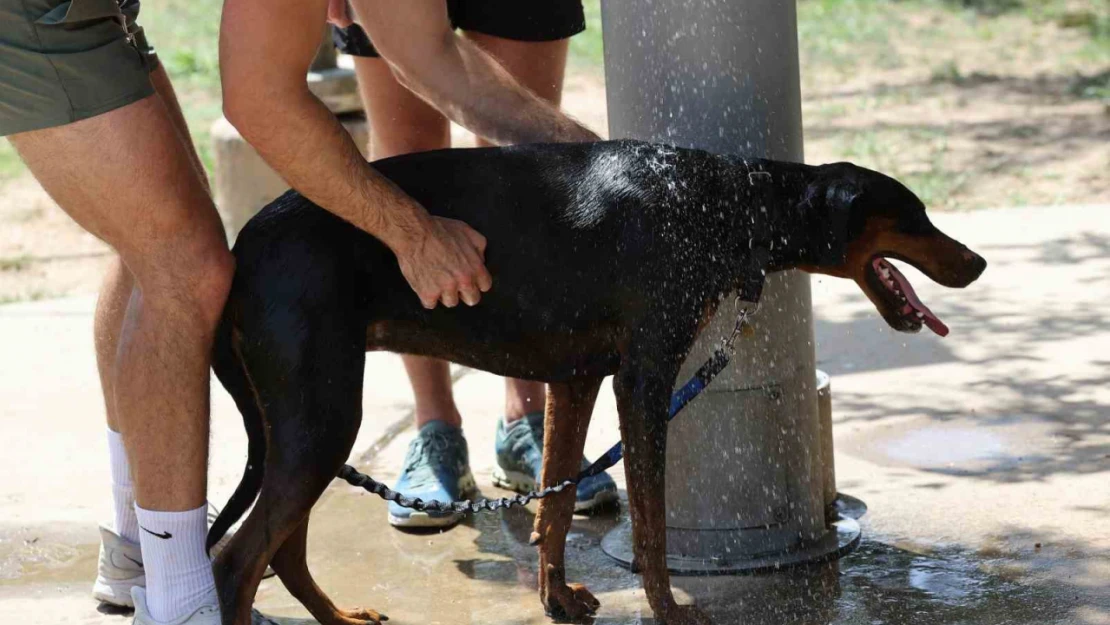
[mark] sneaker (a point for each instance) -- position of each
(520, 460)
(437, 468)
(120, 567)
(204, 615)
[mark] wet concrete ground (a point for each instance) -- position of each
(984, 460)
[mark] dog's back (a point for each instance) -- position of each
(576, 235)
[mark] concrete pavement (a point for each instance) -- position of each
(984, 459)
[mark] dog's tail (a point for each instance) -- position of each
(231, 371)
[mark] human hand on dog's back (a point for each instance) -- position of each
(266, 47)
(445, 262)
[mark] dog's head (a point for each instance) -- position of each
(873, 218)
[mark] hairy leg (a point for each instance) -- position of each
(126, 177)
(111, 306)
(541, 67)
(115, 292)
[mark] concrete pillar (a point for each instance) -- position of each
(243, 183)
(746, 468)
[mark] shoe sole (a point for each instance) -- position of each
(418, 520)
(116, 593)
(522, 483)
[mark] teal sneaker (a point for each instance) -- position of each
(520, 460)
(437, 468)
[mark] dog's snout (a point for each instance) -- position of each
(977, 262)
(969, 270)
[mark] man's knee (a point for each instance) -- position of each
(195, 280)
(214, 278)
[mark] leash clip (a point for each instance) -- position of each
(743, 322)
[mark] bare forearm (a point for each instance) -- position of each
(266, 47)
(302, 141)
(459, 78)
(490, 103)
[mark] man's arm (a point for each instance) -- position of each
(266, 47)
(458, 78)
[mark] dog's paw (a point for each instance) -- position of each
(686, 615)
(363, 616)
(569, 602)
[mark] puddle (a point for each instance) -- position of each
(483, 571)
(29, 557)
(884, 584)
(937, 446)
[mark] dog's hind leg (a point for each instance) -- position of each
(643, 389)
(569, 408)
(308, 380)
(291, 566)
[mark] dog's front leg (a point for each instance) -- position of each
(567, 419)
(643, 393)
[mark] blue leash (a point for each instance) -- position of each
(679, 400)
(682, 396)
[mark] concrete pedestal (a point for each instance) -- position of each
(760, 548)
(747, 466)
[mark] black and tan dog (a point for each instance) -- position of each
(606, 258)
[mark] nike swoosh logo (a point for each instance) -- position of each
(163, 536)
(137, 563)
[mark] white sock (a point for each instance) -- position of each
(178, 571)
(123, 491)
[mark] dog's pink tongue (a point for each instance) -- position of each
(915, 304)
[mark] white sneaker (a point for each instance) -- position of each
(204, 615)
(120, 568)
(121, 565)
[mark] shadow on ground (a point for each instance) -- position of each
(1010, 342)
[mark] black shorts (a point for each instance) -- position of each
(519, 20)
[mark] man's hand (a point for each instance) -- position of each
(447, 262)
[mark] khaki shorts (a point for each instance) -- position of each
(66, 60)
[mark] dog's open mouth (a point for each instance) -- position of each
(901, 299)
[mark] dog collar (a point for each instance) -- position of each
(751, 289)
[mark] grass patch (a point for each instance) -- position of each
(1093, 87)
(16, 263)
(586, 49)
(31, 296)
(841, 35)
(186, 35)
(10, 165)
(927, 174)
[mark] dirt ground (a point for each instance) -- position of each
(959, 111)
(970, 113)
